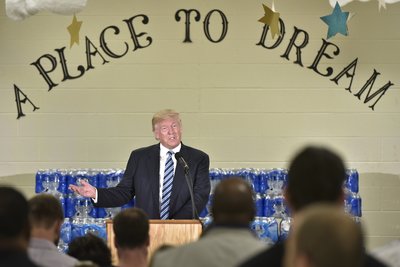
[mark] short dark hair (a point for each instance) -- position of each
(13, 213)
(233, 202)
(90, 248)
(45, 210)
(329, 237)
(131, 228)
(316, 174)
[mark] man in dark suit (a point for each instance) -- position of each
(146, 169)
(316, 175)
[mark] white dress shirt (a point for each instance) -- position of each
(163, 159)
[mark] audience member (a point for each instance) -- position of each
(131, 237)
(229, 240)
(14, 229)
(315, 175)
(90, 248)
(323, 235)
(46, 217)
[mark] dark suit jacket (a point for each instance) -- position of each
(141, 179)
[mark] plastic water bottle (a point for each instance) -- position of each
(263, 177)
(256, 226)
(269, 233)
(65, 235)
(207, 221)
(269, 205)
(284, 228)
(353, 204)
(39, 180)
(215, 177)
(207, 210)
(51, 182)
(352, 180)
(259, 204)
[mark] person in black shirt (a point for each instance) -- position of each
(14, 229)
(92, 248)
(315, 175)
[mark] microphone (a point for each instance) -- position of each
(182, 161)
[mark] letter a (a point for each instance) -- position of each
(18, 99)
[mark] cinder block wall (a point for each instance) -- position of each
(243, 104)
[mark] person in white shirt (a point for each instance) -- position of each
(46, 217)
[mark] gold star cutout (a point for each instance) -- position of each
(271, 19)
(73, 30)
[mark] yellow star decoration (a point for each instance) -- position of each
(271, 19)
(73, 30)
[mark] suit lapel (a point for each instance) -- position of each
(153, 165)
(179, 182)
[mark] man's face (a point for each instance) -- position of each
(168, 132)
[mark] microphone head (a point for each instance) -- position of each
(178, 155)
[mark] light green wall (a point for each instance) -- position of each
(244, 105)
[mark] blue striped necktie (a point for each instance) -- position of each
(167, 186)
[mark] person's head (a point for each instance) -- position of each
(233, 202)
(167, 128)
(90, 248)
(14, 222)
(315, 175)
(46, 217)
(131, 229)
(323, 235)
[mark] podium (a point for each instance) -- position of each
(162, 232)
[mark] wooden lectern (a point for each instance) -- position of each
(162, 232)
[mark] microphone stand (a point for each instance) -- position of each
(189, 182)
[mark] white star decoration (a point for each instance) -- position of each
(382, 3)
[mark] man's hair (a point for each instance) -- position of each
(131, 228)
(45, 210)
(316, 174)
(233, 202)
(13, 213)
(328, 237)
(90, 248)
(163, 115)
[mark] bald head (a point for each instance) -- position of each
(233, 202)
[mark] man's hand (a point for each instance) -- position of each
(85, 190)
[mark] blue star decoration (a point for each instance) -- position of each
(337, 21)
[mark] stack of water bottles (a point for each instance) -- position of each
(273, 219)
(271, 224)
(352, 201)
(80, 215)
